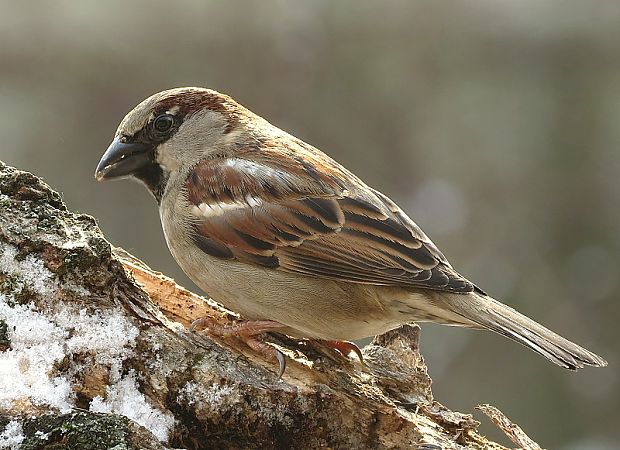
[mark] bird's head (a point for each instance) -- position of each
(170, 132)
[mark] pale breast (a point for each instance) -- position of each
(311, 307)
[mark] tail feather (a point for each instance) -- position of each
(495, 316)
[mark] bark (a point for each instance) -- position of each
(96, 352)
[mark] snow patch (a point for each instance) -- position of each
(30, 271)
(36, 345)
(39, 342)
(125, 399)
(12, 436)
(42, 435)
(108, 337)
(75, 237)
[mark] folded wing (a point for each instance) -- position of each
(312, 218)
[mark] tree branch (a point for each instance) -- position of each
(92, 340)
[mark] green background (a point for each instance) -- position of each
(494, 124)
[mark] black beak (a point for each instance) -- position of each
(122, 159)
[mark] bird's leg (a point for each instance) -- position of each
(248, 332)
(345, 347)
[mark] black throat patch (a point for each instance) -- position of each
(154, 178)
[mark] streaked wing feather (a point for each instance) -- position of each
(313, 227)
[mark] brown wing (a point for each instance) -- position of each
(305, 219)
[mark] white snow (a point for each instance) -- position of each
(75, 237)
(42, 340)
(29, 272)
(124, 398)
(32, 272)
(108, 336)
(36, 345)
(41, 435)
(12, 436)
(39, 342)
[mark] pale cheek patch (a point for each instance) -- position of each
(164, 156)
(207, 210)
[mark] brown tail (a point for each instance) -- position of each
(495, 316)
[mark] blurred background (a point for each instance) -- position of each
(495, 124)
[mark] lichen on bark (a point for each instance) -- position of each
(88, 332)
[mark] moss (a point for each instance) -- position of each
(16, 292)
(9, 285)
(24, 186)
(80, 261)
(5, 341)
(99, 245)
(78, 431)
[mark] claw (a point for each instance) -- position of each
(281, 361)
(203, 322)
(346, 347)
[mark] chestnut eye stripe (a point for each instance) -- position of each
(169, 112)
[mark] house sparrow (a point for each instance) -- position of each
(282, 234)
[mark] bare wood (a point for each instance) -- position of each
(512, 430)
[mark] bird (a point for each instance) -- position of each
(277, 231)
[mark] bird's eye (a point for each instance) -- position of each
(163, 123)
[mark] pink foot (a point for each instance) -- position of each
(248, 332)
(345, 347)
